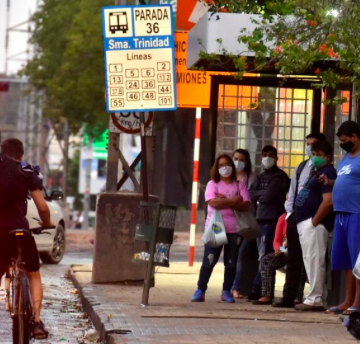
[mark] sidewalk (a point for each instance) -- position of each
(115, 311)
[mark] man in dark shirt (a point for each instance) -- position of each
(13, 216)
(268, 194)
(315, 219)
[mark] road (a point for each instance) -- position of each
(62, 312)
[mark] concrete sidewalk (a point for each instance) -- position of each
(171, 318)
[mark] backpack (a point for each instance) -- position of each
(13, 186)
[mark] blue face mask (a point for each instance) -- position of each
(308, 151)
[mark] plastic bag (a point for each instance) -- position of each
(356, 270)
(215, 234)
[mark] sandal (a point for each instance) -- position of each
(236, 295)
(38, 330)
(351, 310)
(334, 310)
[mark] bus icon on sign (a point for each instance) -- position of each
(118, 22)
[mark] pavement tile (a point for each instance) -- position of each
(171, 318)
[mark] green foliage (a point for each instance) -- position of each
(68, 67)
(264, 7)
(302, 37)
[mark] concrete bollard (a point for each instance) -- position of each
(115, 245)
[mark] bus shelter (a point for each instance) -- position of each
(265, 108)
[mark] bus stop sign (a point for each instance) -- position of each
(139, 58)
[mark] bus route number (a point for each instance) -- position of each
(117, 102)
(149, 95)
(116, 91)
(165, 100)
(116, 79)
(164, 77)
(133, 96)
(148, 84)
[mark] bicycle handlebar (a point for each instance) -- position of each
(38, 230)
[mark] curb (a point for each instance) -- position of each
(90, 305)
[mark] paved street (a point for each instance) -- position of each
(62, 311)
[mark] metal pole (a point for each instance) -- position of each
(112, 165)
(87, 191)
(7, 36)
(144, 175)
(194, 198)
(66, 158)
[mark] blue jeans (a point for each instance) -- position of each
(211, 257)
(247, 251)
(265, 246)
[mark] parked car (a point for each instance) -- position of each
(51, 243)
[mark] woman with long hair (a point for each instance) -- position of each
(243, 165)
(245, 174)
(224, 193)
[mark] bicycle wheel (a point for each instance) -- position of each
(22, 310)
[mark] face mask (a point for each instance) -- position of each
(239, 165)
(347, 146)
(308, 151)
(268, 162)
(318, 161)
(225, 171)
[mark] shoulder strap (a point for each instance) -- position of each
(298, 173)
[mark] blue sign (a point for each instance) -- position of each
(139, 58)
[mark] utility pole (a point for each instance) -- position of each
(66, 158)
(87, 191)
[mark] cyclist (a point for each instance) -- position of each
(23, 180)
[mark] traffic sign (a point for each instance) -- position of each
(139, 58)
(129, 122)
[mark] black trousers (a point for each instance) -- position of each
(295, 263)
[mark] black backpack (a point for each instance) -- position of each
(13, 185)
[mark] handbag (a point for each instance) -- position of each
(246, 224)
(215, 234)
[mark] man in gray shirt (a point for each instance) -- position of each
(295, 259)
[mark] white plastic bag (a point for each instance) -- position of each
(215, 234)
(356, 270)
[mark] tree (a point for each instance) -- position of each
(68, 67)
(301, 36)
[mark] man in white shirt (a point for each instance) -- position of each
(295, 259)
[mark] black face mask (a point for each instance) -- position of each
(347, 146)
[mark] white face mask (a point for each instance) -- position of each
(239, 165)
(268, 162)
(225, 171)
(308, 151)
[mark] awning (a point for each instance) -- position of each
(226, 27)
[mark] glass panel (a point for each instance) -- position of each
(281, 117)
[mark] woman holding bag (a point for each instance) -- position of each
(226, 194)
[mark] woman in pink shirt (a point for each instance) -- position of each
(224, 193)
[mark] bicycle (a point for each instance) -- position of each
(18, 296)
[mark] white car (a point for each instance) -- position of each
(51, 246)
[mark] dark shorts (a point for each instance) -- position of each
(30, 254)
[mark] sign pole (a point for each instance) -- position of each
(194, 197)
(144, 175)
